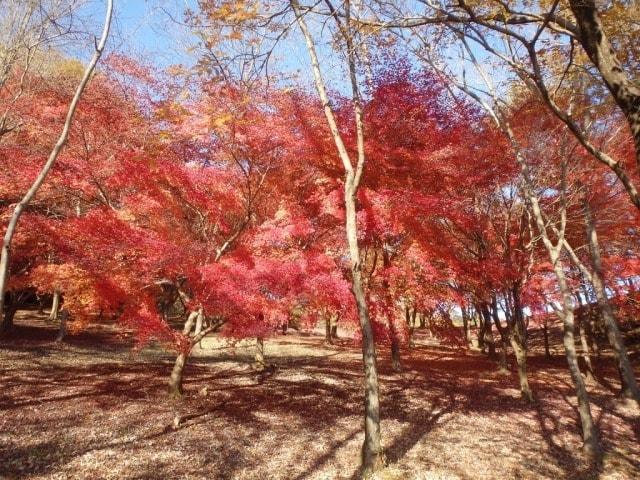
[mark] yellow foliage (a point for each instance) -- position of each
(221, 121)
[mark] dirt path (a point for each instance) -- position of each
(92, 409)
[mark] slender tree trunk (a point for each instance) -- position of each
(199, 323)
(628, 379)
(520, 352)
(40, 300)
(590, 436)
(545, 333)
(259, 363)
(55, 305)
(396, 363)
(504, 333)
(503, 365)
(465, 325)
(481, 330)
(519, 339)
(372, 453)
(411, 322)
(591, 443)
(488, 332)
(586, 351)
(327, 330)
(7, 319)
(62, 140)
(334, 330)
(175, 380)
(62, 331)
(591, 336)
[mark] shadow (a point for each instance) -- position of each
(418, 428)
(75, 402)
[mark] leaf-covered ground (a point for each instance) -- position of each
(92, 408)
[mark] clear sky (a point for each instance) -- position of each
(151, 30)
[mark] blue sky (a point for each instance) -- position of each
(150, 30)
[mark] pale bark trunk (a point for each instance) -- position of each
(590, 436)
(372, 454)
(175, 380)
(259, 363)
(62, 140)
(629, 384)
(519, 340)
(55, 305)
(520, 352)
(503, 365)
(586, 351)
(199, 322)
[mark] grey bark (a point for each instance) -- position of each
(624, 90)
(372, 453)
(55, 306)
(627, 376)
(62, 140)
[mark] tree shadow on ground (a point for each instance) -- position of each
(302, 398)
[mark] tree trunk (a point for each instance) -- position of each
(624, 90)
(62, 331)
(590, 436)
(175, 380)
(586, 351)
(61, 142)
(465, 325)
(519, 338)
(328, 338)
(545, 333)
(481, 330)
(396, 363)
(503, 365)
(259, 363)
(487, 336)
(411, 321)
(372, 454)
(55, 306)
(504, 333)
(520, 352)
(627, 377)
(199, 322)
(7, 319)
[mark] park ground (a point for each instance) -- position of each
(94, 408)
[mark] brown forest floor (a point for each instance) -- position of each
(90, 408)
